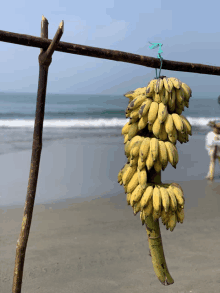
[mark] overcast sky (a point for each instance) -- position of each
(188, 30)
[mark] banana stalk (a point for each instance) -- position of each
(155, 241)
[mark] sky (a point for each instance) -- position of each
(188, 30)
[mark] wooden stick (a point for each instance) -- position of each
(44, 63)
(37, 42)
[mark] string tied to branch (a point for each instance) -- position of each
(154, 46)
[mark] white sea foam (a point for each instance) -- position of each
(91, 123)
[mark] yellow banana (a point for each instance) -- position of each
(188, 126)
(157, 98)
(128, 174)
(152, 114)
(167, 84)
(144, 149)
(156, 215)
(134, 116)
(180, 98)
(125, 128)
(136, 194)
(173, 135)
(128, 197)
(156, 199)
(159, 85)
(136, 102)
(169, 124)
(187, 91)
(144, 108)
(164, 217)
(129, 95)
(140, 91)
(172, 153)
(141, 164)
(137, 208)
(173, 201)
(134, 162)
(119, 175)
(162, 153)
(157, 165)
(179, 194)
(150, 127)
(147, 196)
(177, 122)
(133, 183)
(164, 96)
(170, 84)
(135, 149)
(133, 130)
(162, 112)
(156, 127)
(165, 198)
(180, 215)
(172, 101)
(162, 134)
(121, 182)
(172, 222)
(176, 82)
(127, 152)
(132, 142)
(150, 85)
(154, 146)
(142, 178)
(143, 122)
(149, 161)
(148, 209)
(125, 138)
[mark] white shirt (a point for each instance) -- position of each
(212, 140)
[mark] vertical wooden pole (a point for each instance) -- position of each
(45, 59)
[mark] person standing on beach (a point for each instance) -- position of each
(213, 147)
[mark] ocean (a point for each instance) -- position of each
(73, 115)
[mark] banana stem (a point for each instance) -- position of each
(155, 241)
(156, 251)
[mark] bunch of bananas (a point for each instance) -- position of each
(150, 138)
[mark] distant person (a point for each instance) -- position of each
(213, 147)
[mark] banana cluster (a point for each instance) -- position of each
(159, 107)
(156, 123)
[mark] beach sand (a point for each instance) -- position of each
(92, 242)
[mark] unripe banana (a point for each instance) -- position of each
(173, 202)
(142, 178)
(154, 148)
(176, 82)
(156, 215)
(156, 199)
(172, 101)
(128, 197)
(147, 196)
(141, 164)
(164, 217)
(128, 174)
(143, 122)
(162, 134)
(148, 209)
(136, 102)
(162, 112)
(144, 149)
(156, 127)
(136, 194)
(188, 126)
(172, 153)
(165, 198)
(152, 114)
(149, 161)
(157, 165)
(133, 130)
(144, 108)
(169, 124)
(133, 183)
(162, 153)
(177, 122)
(172, 222)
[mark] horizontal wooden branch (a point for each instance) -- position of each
(32, 41)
